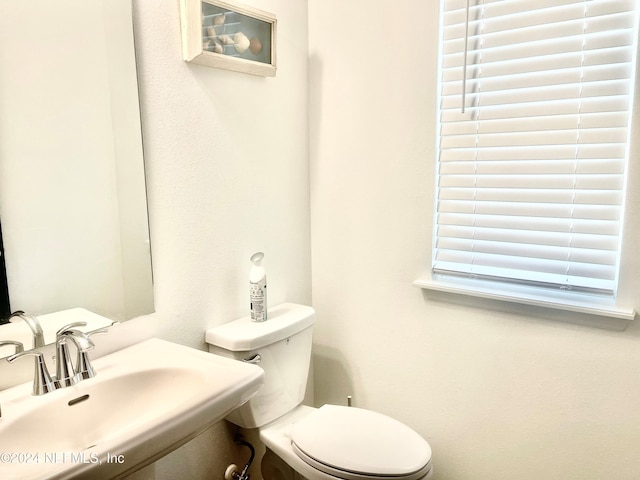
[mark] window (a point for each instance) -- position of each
(534, 130)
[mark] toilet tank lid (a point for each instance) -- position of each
(282, 322)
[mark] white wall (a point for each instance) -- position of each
(498, 394)
(227, 175)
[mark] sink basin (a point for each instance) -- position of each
(145, 401)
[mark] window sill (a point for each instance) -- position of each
(563, 306)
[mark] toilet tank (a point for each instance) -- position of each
(282, 347)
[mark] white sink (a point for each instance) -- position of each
(144, 402)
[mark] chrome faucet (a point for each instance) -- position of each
(34, 325)
(84, 369)
(18, 345)
(19, 349)
(66, 373)
(42, 381)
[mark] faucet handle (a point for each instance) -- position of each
(70, 326)
(19, 346)
(83, 365)
(98, 331)
(42, 382)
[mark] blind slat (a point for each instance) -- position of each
(560, 239)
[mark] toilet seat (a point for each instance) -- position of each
(357, 444)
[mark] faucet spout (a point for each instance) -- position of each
(81, 340)
(66, 374)
(34, 325)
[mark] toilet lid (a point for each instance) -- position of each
(353, 443)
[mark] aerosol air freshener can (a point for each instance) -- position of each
(258, 288)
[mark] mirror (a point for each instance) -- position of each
(72, 189)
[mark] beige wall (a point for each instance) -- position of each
(499, 393)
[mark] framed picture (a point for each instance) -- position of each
(226, 34)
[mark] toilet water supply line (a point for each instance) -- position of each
(231, 473)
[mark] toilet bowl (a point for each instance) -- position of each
(346, 443)
(305, 443)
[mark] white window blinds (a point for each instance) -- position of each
(531, 172)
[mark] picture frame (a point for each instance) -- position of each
(227, 34)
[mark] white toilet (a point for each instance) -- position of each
(328, 443)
